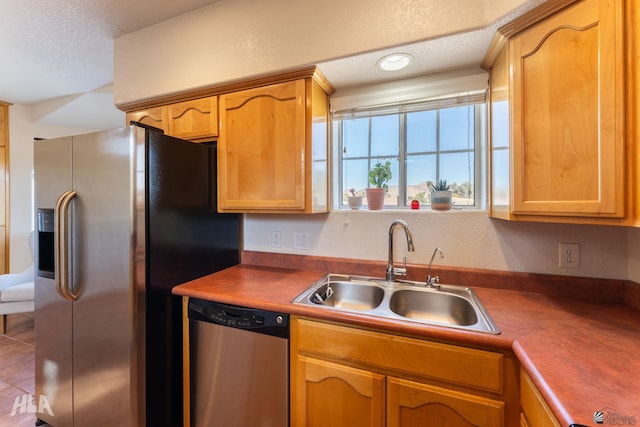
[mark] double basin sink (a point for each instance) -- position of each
(442, 305)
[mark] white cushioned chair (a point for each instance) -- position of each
(16, 291)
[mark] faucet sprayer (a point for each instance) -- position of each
(391, 269)
(431, 281)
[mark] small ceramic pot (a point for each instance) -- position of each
(375, 198)
(441, 200)
(355, 202)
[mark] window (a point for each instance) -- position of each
(425, 143)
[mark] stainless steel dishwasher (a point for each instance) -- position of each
(239, 366)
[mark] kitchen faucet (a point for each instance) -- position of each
(391, 269)
(431, 281)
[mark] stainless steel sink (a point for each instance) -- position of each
(447, 305)
(435, 306)
(348, 295)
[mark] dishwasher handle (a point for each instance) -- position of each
(250, 319)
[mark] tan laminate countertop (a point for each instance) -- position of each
(583, 355)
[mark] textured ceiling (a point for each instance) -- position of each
(461, 50)
(57, 55)
(53, 48)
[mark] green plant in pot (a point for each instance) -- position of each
(441, 196)
(379, 177)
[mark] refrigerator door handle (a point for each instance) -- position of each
(61, 246)
(56, 242)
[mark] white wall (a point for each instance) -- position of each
(467, 238)
(22, 131)
(232, 40)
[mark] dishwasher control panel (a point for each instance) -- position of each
(266, 322)
(231, 319)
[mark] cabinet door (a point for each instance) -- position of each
(568, 113)
(155, 117)
(329, 394)
(261, 149)
(633, 111)
(412, 404)
(499, 142)
(4, 190)
(535, 411)
(193, 120)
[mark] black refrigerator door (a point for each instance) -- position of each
(186, 239)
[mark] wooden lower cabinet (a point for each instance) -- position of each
(346, 376)
(535, 411)
(414, 404)
(335, 395)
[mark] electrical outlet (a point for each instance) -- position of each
(569, 255)
(300, 240)
(275, 239)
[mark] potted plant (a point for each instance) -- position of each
(441, 196)
(379, 177)
(355, 201)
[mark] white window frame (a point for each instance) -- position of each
(476, 99)
(407, 96)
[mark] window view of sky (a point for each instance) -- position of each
(422, 146)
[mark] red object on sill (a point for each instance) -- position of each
(415, 204)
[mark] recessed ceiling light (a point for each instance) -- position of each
(394, 62)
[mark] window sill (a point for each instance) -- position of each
(409, 210)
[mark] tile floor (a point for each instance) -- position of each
(16, 369)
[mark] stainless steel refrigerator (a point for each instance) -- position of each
(122, 216)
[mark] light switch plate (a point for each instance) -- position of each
(276, 239)
(300, 240)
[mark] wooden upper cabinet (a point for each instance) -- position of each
(195, 120)
(499, 143)
(273, 149)
(155, 116)
(562, 67)
(262, 147)
(568, 117)
(272, 134)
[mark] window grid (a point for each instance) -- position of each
(473, 149)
